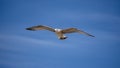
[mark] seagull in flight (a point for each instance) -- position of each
(59, 32)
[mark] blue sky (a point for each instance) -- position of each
(20, 48)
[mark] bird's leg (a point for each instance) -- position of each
(60, 35)
(62, 38)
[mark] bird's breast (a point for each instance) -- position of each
(59, 33)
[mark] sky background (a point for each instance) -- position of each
(20, 48)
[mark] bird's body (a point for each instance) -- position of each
(60, 32)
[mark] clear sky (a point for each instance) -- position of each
(20, 48)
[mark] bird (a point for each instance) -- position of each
(59, 32)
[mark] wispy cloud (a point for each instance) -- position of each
(27, 40)
(71, 42)
(75, 15)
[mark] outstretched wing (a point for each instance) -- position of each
(40, 27)
(73, 30)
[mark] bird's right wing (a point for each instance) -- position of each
(73, 30)
(40, 27)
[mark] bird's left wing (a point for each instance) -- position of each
(73, 30)
(40, 27)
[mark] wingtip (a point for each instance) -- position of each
(29, 29)
(92, 36)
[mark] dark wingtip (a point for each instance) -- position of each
(92, 36)
(29, 29)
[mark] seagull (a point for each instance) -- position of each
(59, 32)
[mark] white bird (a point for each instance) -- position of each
(60, 32)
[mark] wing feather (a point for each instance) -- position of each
(40, 27)
(73, 30)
